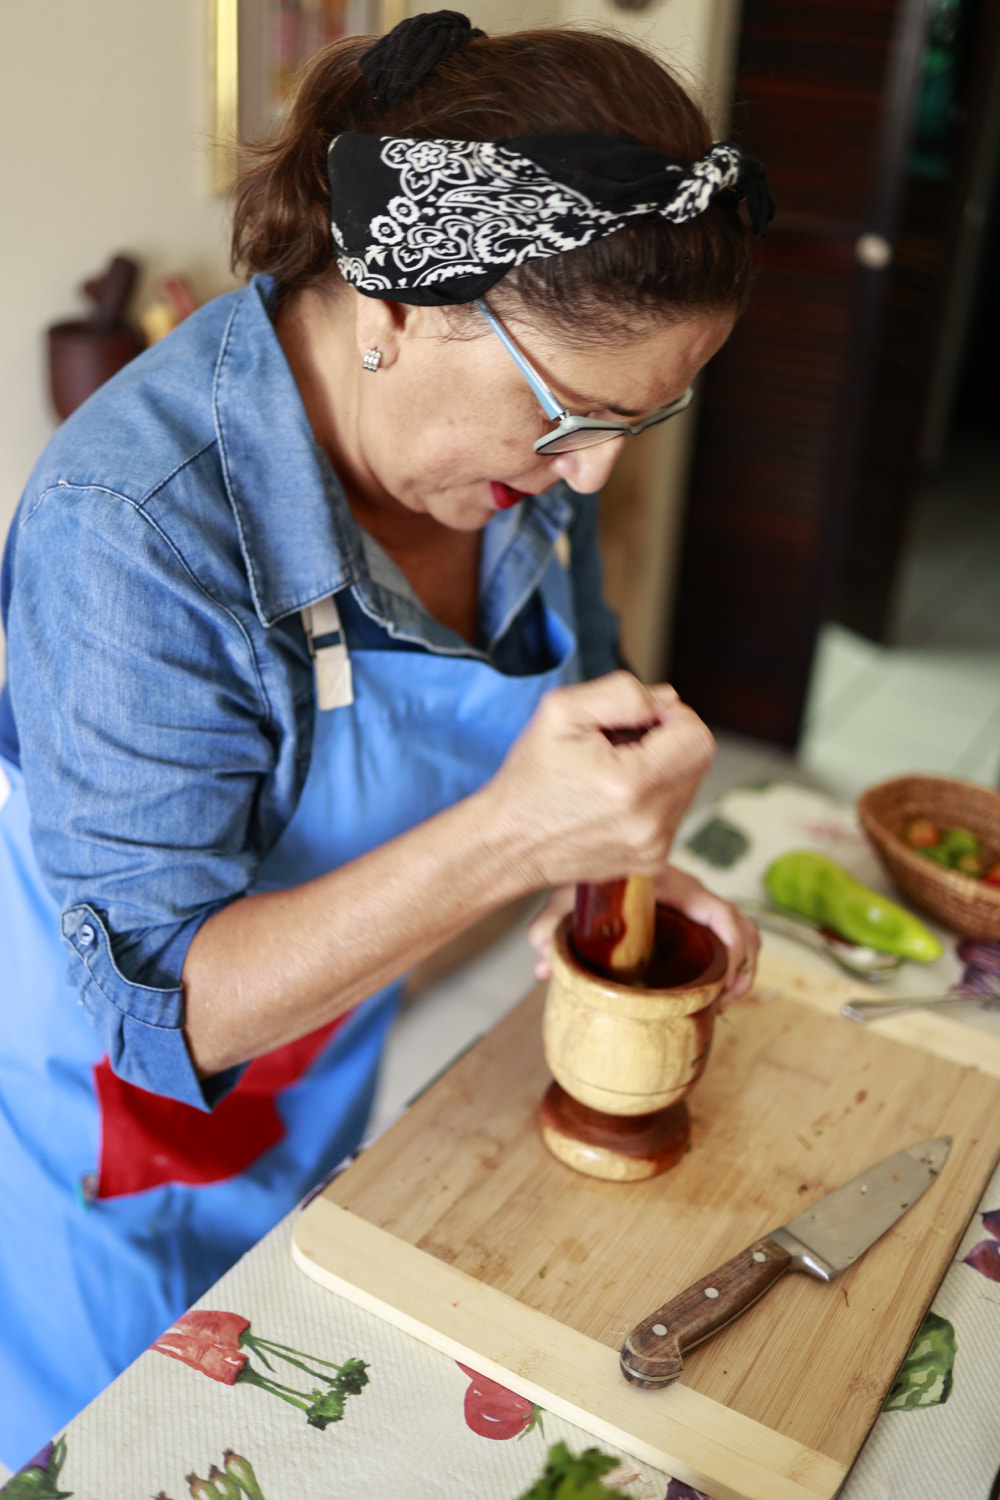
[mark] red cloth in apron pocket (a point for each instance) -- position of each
(147, 1140)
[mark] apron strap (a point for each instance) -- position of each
(328, 648)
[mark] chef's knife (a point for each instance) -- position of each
(824, 1240)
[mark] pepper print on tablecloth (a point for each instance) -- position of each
(219, 1344)
(236, 1480)
(719, 843)
(985, 1257)
(982, 969)
(569, 1476)
(492, 1411)
(39, 1479)
(926, 1374)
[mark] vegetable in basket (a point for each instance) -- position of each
(954, 848)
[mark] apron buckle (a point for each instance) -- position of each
(328, 648)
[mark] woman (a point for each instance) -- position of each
(296, 608)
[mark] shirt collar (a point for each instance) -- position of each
(296, 533)
(299, 539)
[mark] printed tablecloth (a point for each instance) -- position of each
(272, 1388)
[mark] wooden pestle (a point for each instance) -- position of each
(614, 921)
(614, 926)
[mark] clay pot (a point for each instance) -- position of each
(624, 1057)
(83, 356)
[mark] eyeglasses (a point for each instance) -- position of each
(574, 432)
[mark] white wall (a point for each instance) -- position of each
(105, 125)
(106, 139)
(695, 37)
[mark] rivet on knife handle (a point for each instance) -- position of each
(653, 1353)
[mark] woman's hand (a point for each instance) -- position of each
(677, 889)
(567, 805)
(564, 806)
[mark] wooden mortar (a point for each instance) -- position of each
(625, 1055)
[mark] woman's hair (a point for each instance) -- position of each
(530, 82)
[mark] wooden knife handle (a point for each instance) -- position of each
(652, 1354)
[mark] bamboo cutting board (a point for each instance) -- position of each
(460, 1228)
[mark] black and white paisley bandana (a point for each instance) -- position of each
(435, 222)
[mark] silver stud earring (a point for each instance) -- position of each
(372, 359)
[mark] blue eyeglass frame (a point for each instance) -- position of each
(574, 432)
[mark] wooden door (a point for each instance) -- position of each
(824, 95)
(948, 187)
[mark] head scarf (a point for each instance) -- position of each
(440, 221)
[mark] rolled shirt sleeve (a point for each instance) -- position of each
(140, 1025)
(146, 741)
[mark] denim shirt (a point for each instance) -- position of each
(160, 691)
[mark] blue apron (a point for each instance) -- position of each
(94, 1261)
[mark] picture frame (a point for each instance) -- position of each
(257, 48)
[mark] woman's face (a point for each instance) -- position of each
(445, 427)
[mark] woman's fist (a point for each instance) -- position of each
(570, 806)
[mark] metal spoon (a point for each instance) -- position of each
(873, 1010)
(859, 962)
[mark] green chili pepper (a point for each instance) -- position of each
(39, 1484)
(33, 1484)
(201, 1489)
(816, 887)
(224, 1484)
(241, 1469)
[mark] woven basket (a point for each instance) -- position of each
(960, 902)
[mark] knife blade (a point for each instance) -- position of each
(822, 1241)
